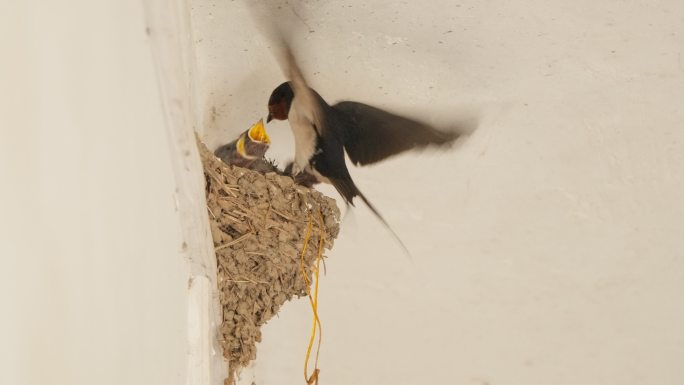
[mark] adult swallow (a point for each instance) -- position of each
(324, 132)
(248, 149)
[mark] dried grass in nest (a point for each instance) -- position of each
(258, 223)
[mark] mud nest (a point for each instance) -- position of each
(258, 224)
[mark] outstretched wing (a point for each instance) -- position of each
(372, 134)
(308, 102)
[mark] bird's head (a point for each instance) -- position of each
(279, 103)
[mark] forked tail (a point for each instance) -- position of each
(384, 222)
(347, 188)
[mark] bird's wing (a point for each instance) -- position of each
(311, 102)
(371, 134)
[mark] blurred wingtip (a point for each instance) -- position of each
(458, 130)
(279, 29)
(465, 124)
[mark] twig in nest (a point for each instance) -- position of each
(256, 253)
(286, 217)
(221, 184)
(246, 280)
(211, 212)
(280, 228)
(267, 215)
(234, 219)
(241, 213)
(231, 243)
(241, 279)
(232, 200)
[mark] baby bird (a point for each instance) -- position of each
(248, 149)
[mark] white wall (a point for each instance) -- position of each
(548, 249)
(95, 251)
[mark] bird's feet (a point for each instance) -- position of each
(301, 177)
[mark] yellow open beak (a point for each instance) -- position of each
(258, 132)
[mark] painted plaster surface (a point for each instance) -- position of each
(93, 277)
(547, 248)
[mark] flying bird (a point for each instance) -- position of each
(324, 132)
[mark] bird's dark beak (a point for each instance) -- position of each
(269, 117)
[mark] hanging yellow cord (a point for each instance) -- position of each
(313, 300)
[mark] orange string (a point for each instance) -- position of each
(313, 300)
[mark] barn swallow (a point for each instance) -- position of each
(324, 132)
(248, 149)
